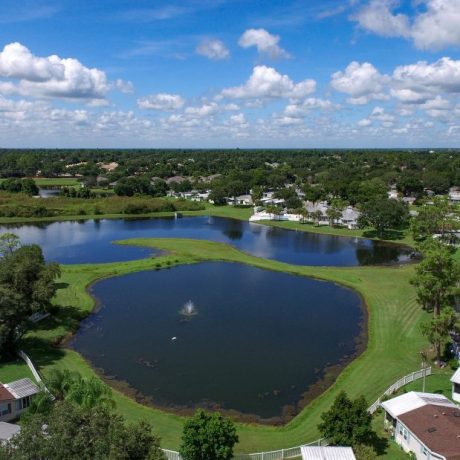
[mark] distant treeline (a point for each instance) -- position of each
(319, 173)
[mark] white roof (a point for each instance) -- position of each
(22, 388)
(350, 214)
(8, 430)
(413, 400)
(456, 377)
(327, 453)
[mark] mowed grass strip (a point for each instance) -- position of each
(393, 348)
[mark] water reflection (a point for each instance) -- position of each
(90, 241)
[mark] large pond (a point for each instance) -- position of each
(258, 341)
(91, 241)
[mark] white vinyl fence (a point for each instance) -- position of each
(295, 451)
(399, 384)
(31, 367)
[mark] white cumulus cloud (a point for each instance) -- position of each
(213, 49)
(266, 83)
(435, 27)
(264, 41)
(161, 101)
(50, 76)
(362, 82)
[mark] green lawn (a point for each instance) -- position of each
(393, 348)
(14, 370)
(56, 181)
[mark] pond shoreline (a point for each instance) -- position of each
(326, 375)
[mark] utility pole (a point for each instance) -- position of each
(423, 355)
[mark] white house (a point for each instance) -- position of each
(318, 207)
(454, 194)
(393, 193)
(15, 397)
(426, 424)
(244, 200)
(327, 453)
(455, 379)
(350, 217)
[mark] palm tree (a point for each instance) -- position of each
(59, 382)
(89, 393)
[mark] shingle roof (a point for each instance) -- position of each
(327, 453)
(438, 427)
(5, 395)
(22, 388)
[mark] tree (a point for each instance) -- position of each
(436, 277)
(26, 287)
(363, 452)
(317, 215)
(208, 436)
(85, 392)
(73, 433)
(438, 328)
(334, 212)
(347, 422)
(9, 242)
(435, 218)
(383, 214)
(218, 196)
(89, 393)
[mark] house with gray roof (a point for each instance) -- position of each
(15, 397)
(424, 424)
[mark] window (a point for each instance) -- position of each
(25, 402)
(5, 409)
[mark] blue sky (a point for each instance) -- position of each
(230, 73)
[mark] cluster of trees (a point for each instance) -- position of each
(12, 185)
(27, 285)
(438, 217)
(142, 185)
(71, 192)
(437, 276)
(79, 423)
(437, 282)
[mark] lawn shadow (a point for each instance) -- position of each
(40, 351)
(391, 235)
(65, 317)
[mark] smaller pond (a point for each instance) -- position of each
(254, 340)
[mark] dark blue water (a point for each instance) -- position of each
(258, 341)
(91, 241)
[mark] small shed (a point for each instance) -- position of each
(455, 379)
(327, 453)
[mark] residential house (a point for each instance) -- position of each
(319, 207)
(455, 379)
(454, 194)
(426, 424)
(15, 397)
(175, 180)
(327, 453)
(350, 217)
